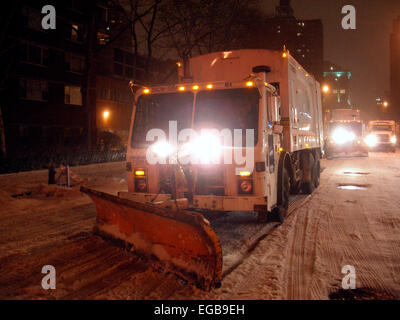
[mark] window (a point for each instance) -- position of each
(102, 38)
(33, 89)
(123, 63)
(75, 63)
(114, 95)
(128, 72)
(34, 54)
(33, 18)
(74, 33)
(118, 69)
(73, 95)
(118, 55)
(103, 93)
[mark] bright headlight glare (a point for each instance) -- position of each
(371, 140)
(393, 139)
(162, 149)
(205, 148)
(341, 136)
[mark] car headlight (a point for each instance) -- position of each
(371, 140)
(162, 148)
(341, 136)
(393, 139)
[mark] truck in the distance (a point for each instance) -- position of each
(382, 135)
(241, 132)
(345, 134)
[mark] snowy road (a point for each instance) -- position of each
(301, 259)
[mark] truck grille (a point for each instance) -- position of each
(210, 181)
(383, 138)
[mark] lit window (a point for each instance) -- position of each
(102, 38)
(73, 95)
(75, 33)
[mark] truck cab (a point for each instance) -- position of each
(382, 135)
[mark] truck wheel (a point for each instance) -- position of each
(307, 184)
(279, 213)
(317, 173)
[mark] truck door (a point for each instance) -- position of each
(271, 109)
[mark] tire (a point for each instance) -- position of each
(279, 213)
(317, 173)
(308, 183)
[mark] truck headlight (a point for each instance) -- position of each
(163, 149)
(393, 139)
(371, 140)
(204, 149)
(341, 136)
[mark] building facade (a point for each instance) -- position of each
(335, 89)
(303, 38)
(395, 70)
(44, 105)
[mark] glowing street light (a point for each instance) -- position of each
(106, 114)
(325, 88)
(385, 104)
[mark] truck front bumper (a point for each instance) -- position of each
(208, 202)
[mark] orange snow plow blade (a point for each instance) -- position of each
(181, 239)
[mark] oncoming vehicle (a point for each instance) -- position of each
(382, 135)
(345, 134)
(241, 133)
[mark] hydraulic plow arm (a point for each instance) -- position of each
(181, 239)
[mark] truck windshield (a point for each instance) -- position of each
(382, 128)
(229, 108)
(215, 109)
(156, 110)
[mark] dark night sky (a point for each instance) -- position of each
(364, 51)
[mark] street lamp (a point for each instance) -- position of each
(325, 88)
(385, 104)
(106, 115)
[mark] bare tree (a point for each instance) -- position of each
(197, 27)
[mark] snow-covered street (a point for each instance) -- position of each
(353, 218)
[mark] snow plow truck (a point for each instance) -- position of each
(241, 132)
